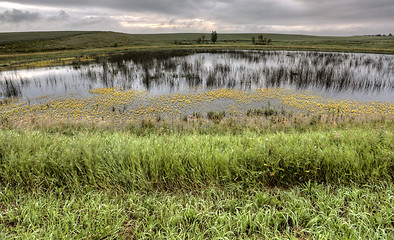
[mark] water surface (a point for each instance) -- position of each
(336, 75)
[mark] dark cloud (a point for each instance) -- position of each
(162, 6)
(361, 16)
(18, 16)
(238, 8)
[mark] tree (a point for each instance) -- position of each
(214, 36)
(261, 40)
(203, 38)
(390, 35)
(253, 40)
(198, 40)
(260, 37)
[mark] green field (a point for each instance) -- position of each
(50, 41)
(300, 167)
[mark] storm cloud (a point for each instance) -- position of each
(320, 17)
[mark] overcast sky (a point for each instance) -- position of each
(317, 17)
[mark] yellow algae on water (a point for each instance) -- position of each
(118, 107)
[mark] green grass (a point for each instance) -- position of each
(311, 182)
(122, 160)
(310, 211)
(54, 41)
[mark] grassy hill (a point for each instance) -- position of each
(55, 41)
(36, 36)
(27, 42)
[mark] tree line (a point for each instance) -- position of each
(260, 40)
(214, 38)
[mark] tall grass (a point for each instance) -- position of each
(116, 160)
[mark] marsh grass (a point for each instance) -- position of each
(216, 117)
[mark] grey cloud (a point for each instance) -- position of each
(18, 20)
(243, 10)
(256, 12)
(62, 16)
(311, 7)
(350, 10)
(239, 15)
(305, 12)
(88, 21)
(162, 6)
(18, 16)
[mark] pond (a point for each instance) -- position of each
(335, 75)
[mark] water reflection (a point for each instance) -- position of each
(352, 76)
